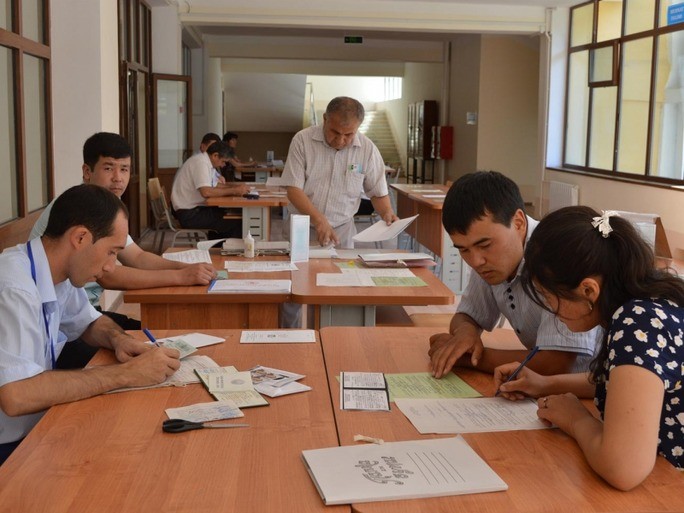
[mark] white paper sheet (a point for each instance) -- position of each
(190, 256)
(344, 280)
(476, 415)
(277, 336)
(206, 244)
(250, 287)
(387, 271)
(261, 266)
(378, 232)
(206, 412)
(196, 339)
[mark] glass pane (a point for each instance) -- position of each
(6, 14)
(639, 16)
(578, 108)
(172, 106)
(133, 30)
(671, 12)
(32, 22)
(602, 128)
(668, 111)
(36, 132)
(609, 20)
(143, 35)
(9, 208)
(141, 163)
(601, 69)
(634, 102)
(582, 25)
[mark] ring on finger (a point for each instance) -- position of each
(544, 402)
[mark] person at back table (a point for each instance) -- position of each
(484, 217)
(590, 269)
(42, 306)
(329, 167)
(107, 163)
(229, 171)
(194, 183)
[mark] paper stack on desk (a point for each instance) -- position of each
(250, 287)
(399, 470)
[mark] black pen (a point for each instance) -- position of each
(516, 371)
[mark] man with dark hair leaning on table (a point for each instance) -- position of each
(43, 306)
(484, 217)
(107, 163)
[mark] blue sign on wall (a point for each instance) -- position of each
(675, 14)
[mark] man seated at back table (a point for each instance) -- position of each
(42, 307)
(484, 216)
(107, 163)
(194, 183)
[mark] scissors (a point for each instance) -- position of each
(180, 425)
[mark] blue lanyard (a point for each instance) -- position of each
(45, 316)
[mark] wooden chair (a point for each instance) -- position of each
(164, 220)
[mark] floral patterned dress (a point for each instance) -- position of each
(650, 334)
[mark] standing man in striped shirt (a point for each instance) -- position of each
(484, 217)
(328, 168)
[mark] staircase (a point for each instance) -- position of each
(376, 127)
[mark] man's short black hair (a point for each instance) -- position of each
(86, 205)
(104, 144)
(209, 137)
(475, 195)
(221, 148)
(228, 136)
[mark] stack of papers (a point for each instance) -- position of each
(276, 382)
(227, 384)
(206, 412)
(250, 287)
(399, 470)
(397, 260)
(277, 336)
(380, 231)
(261, 266)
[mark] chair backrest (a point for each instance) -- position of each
(154, 188)
(160, 206)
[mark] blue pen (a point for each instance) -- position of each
(516, 371)
(149, 335)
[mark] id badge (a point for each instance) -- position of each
(355, 168)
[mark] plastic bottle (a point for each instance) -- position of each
(249, 245)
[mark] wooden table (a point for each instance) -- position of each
(191, 307)
(355, 306)
(544, 469)
(109, 454)
(261, 171)
(256, 213)
(428, 230)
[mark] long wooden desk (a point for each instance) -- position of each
(191, 307)
(261, 171)
(256, 213)
(428, 231)
(544, 469)
(109, 454)
(355, 306)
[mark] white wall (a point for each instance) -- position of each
(85, 85)
(167, 41)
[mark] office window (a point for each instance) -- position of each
(623, 108)
(25, 128)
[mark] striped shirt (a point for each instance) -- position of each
(533, 325)
(334, 180)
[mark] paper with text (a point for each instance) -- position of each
(196, 339)
(277, 336)
(206, 412)
(421, 385)
(190, 256)
(261, 266)
(344, 280)
(470, 415)
(380, 231)
(363, 391)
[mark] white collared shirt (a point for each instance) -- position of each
(195, 173)
(25, 349)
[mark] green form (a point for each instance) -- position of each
(421, 385)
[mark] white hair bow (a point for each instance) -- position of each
(602, 222)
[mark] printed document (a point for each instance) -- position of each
(206, 412)
(421, 385)
(196, 339)
(260, 266)
(190, 256)
(380, 231)
(277, 336)
(399, 470)
(185, 375)
(470, 415)
(250, 287)
(364, 391)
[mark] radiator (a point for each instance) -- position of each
(561, 195)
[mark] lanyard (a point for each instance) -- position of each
(45, 316)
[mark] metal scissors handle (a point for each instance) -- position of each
(180, 425)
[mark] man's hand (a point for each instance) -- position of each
(326, 234)
(196, 274)
(152, 367)
(126, 347)
(389, 217)
(446, 349)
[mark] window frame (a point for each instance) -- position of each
(646, 177)
(15, 230)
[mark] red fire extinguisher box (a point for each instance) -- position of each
(442, 142)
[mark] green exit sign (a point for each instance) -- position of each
(353, 40)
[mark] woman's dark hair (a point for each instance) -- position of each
(565, 248)
(86, 205)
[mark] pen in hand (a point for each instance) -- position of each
(149, 335)
(517, 371)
